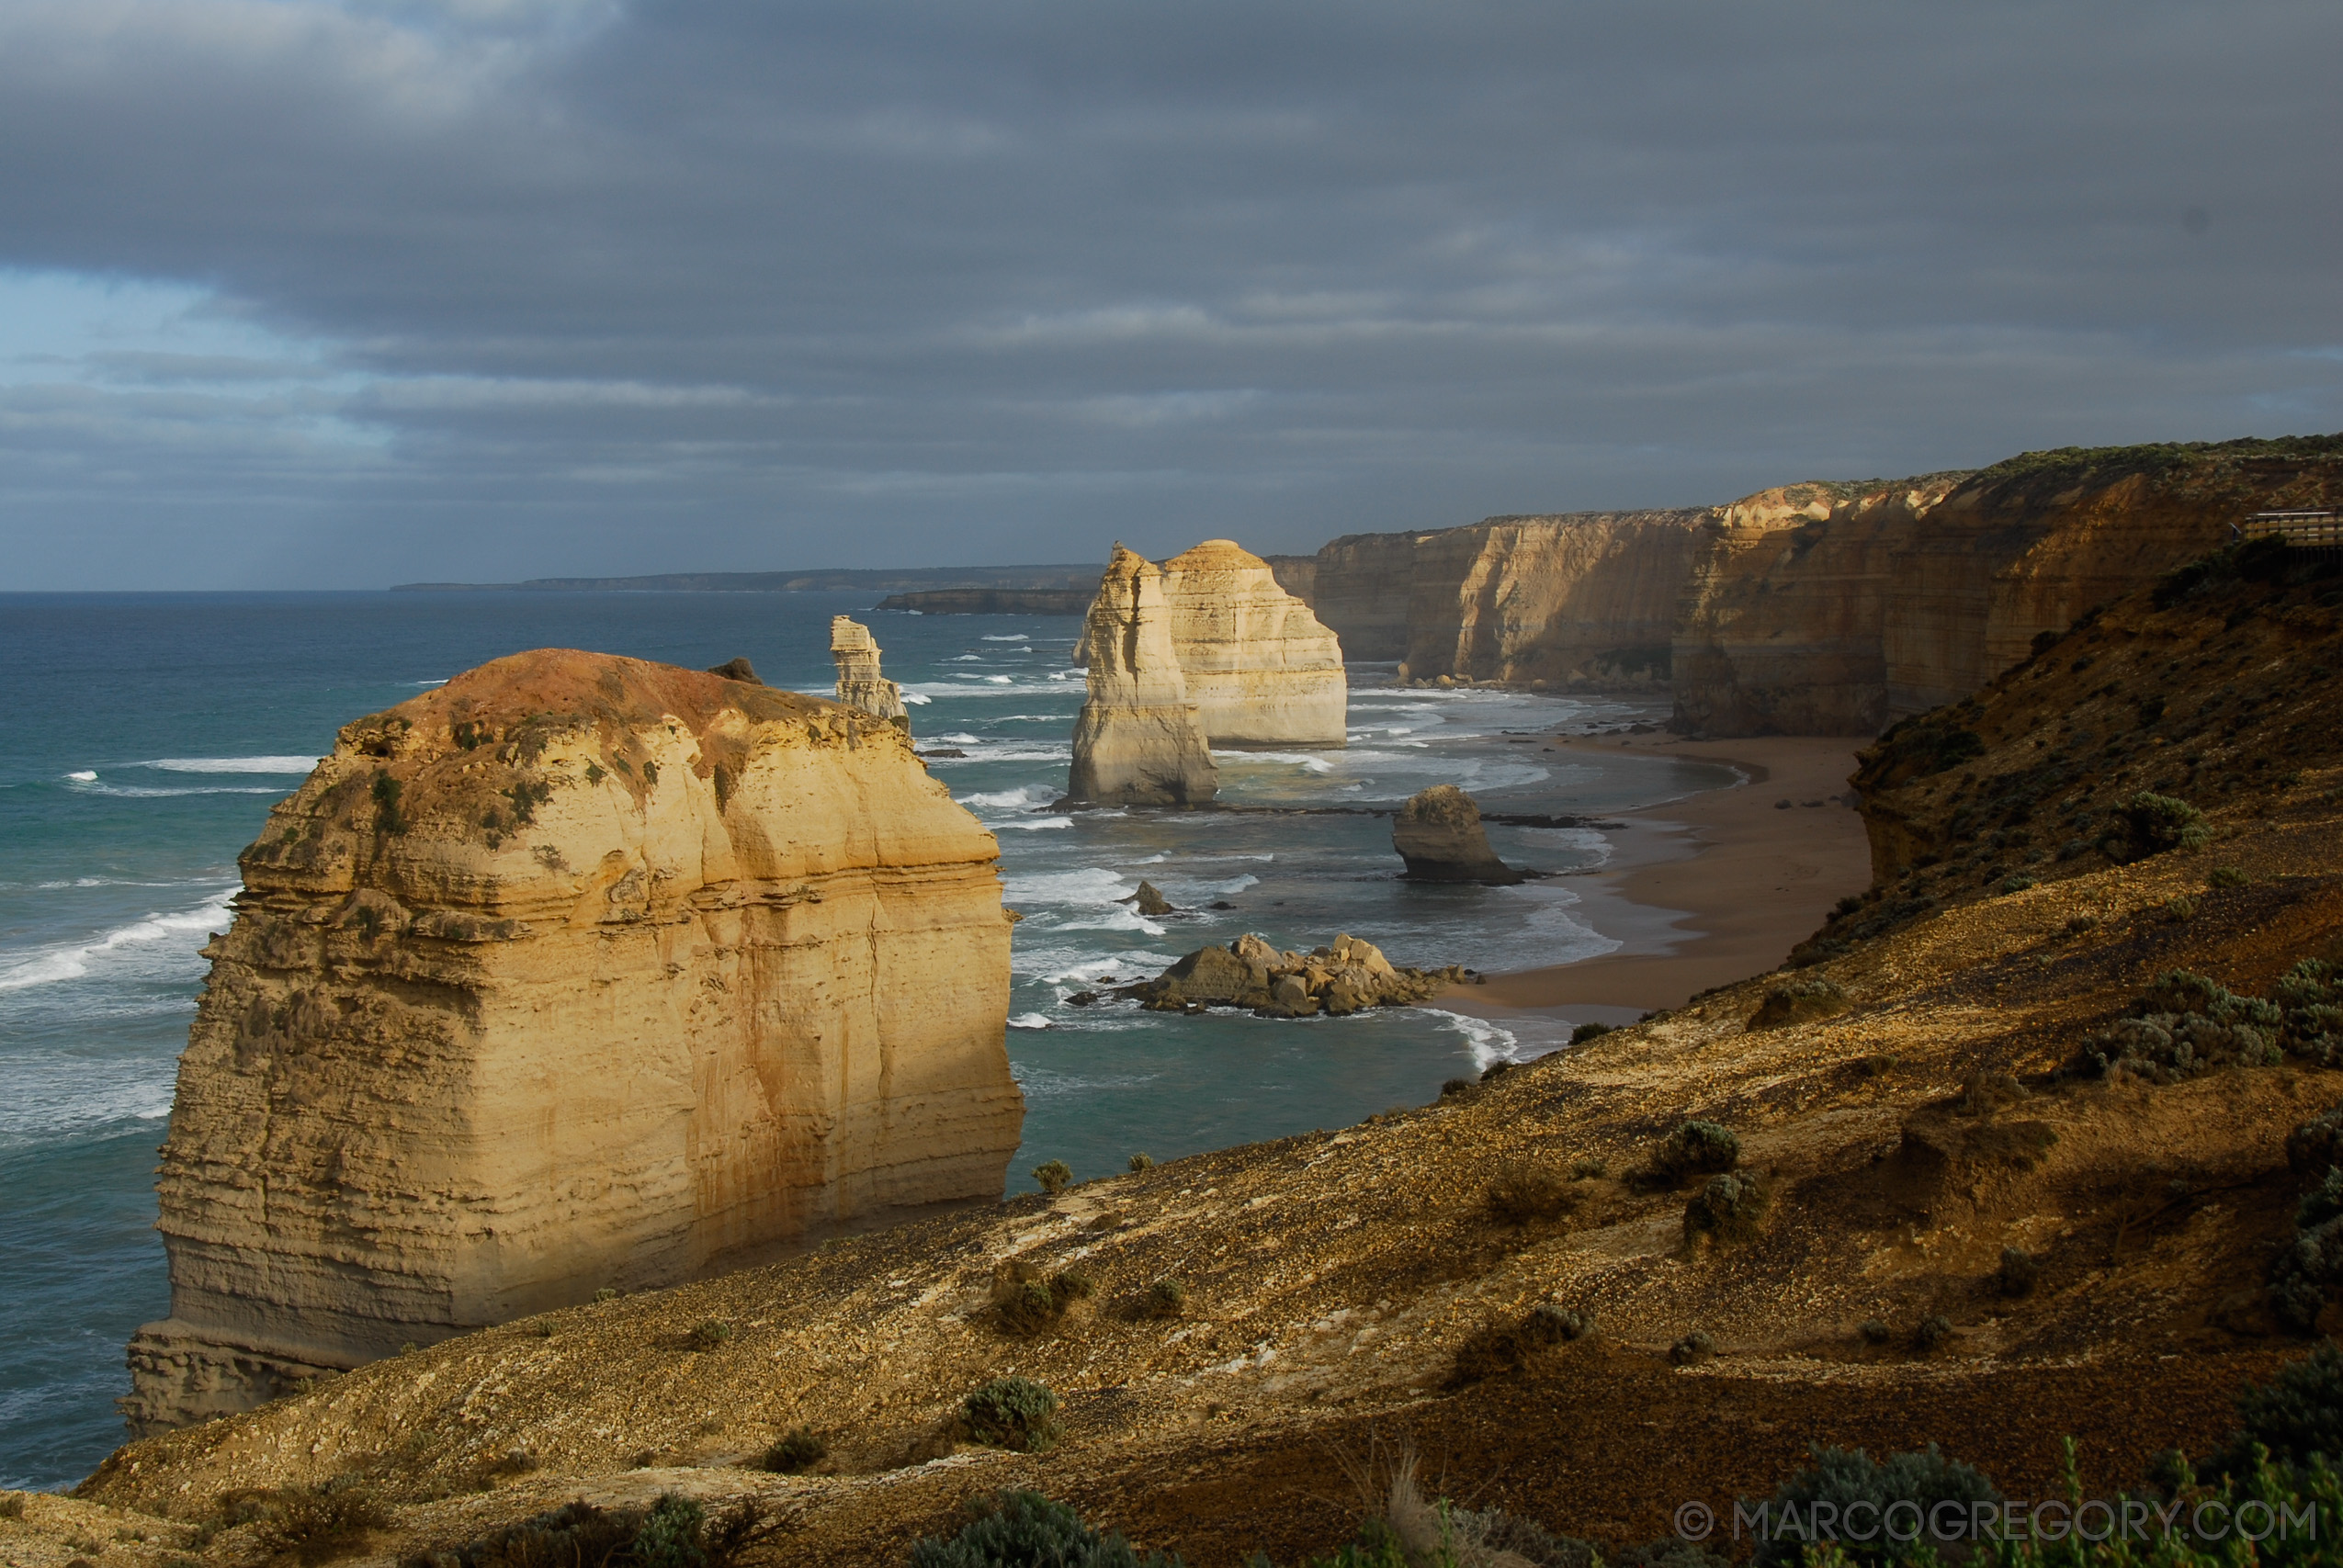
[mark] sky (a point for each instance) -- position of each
(301, 294)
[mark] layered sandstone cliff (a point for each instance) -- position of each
(576, 972)
(1582, 599)
(1259, 667)
(1138, 740)
(860, 686)
(1782, 623)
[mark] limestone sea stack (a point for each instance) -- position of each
(1259, 667)
(1139, 741)
(1439, 834)
(576, 972)
(860, 686)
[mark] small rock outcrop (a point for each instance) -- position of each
(1344, 978)
(1439, 834)
(1138, 740)
(1149, 901)
(575, 972)
(860, 686)
(1259, 668)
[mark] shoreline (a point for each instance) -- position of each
(1702, 891)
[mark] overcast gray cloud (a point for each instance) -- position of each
(306, 294)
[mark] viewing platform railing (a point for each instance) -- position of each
(2301, 530)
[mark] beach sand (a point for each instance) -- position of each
(1702, 891)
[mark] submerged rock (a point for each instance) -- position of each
(576, 972)
(1139, 741)
(1439, 834)
(1345, 977)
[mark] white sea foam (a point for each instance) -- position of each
(87, 775)
(1093, 884)
(1012, 636)
(914, 698)
(274, 764)
(157, 792)
(968, 658)
(1311, 761)
(1011, 799)
(1000, 680)
(1033, 824)
(46, 966)
(1040, 1083)
(1030, 1020)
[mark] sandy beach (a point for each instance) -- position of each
(1704, 890)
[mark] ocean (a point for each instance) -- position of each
(143, 738)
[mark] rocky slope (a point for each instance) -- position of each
(1138, 740)
(1259, 667)
(1905, 1113)
(576, 972)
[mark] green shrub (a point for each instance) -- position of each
(1798, 1001)
(2226, 876)
(1523, 1193)
(2316, 1144)
(1728, 1208)
(1457, 1086)
(1696, 1148)
(1166, 1298)
(317, 1525)
(2017, 883)
(1589, 1168)
(2180, 909)
(798, 1450)
(1012, 1412)
(1586, 1031)
(1028, 1303)
(1055, 1176)
(2019, 1272)
(1496, 1349)
(1026, 1529)
(606, 1293)
(2297, 1415)
(1876, 1331)
(670, 1536)
(2150, 824)
(1142, 1162)
(386, 791)
(2183, 1025)
(1697, 1345)
(1845, 1477)
(1934, 1330)
(710, 1333)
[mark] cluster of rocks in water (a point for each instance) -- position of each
(1346, 977)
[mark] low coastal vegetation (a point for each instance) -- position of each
(2040, 1160)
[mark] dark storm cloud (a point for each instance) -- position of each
(574, 286)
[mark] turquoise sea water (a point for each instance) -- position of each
(142, 738)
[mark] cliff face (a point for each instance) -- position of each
(1780, 629)
(576, 972)
(1257, 665)
(2028, 546)
(860, 686)
(1586, 598)
(1138, 740)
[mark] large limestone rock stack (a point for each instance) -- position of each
(1259, 667)
(1139, 741)
(576, 972)
(1439, 834)
(860, 686)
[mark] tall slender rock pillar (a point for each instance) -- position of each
(860, 686)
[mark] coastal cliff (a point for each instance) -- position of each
(1582, 599)
(577, 972)
(1259, 667)
(1138, 740)
(1783, 624)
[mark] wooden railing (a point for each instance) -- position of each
(2301, 530)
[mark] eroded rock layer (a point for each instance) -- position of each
(1585, 599)
(576, 972)
(860, 686)
(1138, 740)
(1259, 667)
(1783, 626)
